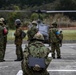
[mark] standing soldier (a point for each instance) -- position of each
(54, 40)
(2, 33)
(32, 31)
(18, 40)
(5, 36)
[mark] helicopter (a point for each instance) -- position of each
(43, 28)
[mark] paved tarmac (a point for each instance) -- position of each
(64, 66)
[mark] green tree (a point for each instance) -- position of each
(13, 16)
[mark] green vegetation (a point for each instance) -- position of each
(68, 35)
(10, 35)
(31, 5)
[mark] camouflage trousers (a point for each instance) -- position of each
(1, 53)
(4, 50)
(19, 52)
(55, 47)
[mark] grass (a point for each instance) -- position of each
(67, 35)
(11, 37)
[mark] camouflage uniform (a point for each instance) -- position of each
(18, 42)
(5, 36)
(61, 38)
(35, 49)
(32, 31)
(1, 41)
(54, 40)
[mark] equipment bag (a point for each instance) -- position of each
(32, 61)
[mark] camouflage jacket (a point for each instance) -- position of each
(53, 37)
(18, 38)
(31, 32)
(1, 36)
(37, 49)
(61, 36)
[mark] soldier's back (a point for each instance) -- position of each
(35, 49)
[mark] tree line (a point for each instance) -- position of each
(52, 4)
(35, 5)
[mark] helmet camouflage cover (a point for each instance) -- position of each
(34, 22)
(38, 36)
(1, 21)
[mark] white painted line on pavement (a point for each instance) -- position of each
(63, 70)
(20, 72)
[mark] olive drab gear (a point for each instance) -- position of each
(5, 32)
(61, 38)
(32, 31)
(1, 22)
(18, 40)
(18, 22)
(1, 42)
(35, 49)
(53, 35)
(54, 40)
(34, 22)
(2, 19)
(38, 35)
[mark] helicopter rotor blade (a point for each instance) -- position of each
(40, 11)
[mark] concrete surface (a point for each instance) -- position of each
(64, 66)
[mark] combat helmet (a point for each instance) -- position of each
(2, 19)
(38, 36)
(17, 22)
(38, 21)
(34, 22)
(1, 22)
(54, 24)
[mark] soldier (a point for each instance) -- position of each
(32, 31)
(5, 36)
(61, 38)
(54, 40)
(36, 50)
(1, 41)
(18, 40)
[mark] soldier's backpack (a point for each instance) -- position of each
(38, 54)
(32, 61)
